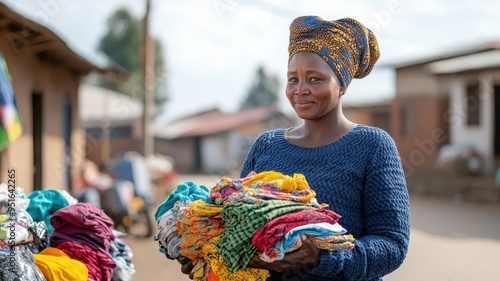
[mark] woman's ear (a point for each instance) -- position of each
(342, 91)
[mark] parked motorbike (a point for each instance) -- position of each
(122, 190)
(130, 203)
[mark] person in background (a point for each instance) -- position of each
(92, 181)
(355, 169)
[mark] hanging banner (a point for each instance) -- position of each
(10, 122)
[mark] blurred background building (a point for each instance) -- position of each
(46, 75)
(111, 120)
(446, 120)
(216, 142)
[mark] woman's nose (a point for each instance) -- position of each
(302, 88)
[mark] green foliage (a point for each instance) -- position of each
(122, 44)
(263, 91)
(122, 41)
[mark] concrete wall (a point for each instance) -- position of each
(56, 83)
(481, 137)
(372, 116)
(418, 150)
(215, 153)
(181, 150)
(415, 80)
(358, 115)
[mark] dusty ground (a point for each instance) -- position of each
(450, 241)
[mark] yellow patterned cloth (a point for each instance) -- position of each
(196, 226)
(346, 45)
(283, 182)
(268, 185)
(219, 267)
(202, 209)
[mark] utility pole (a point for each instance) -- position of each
(148, 85)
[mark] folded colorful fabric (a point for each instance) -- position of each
(266, 238)
(44, 203)
(58, 266)
(196, 226)
(185, 191)
(255, 188)
(168, 237)
(84, 223)
(242, 221)
(100, 265)
(324, 235)
(220, 269)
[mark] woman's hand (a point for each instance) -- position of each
(306, 257)
(187, 266)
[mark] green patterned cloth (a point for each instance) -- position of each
(242, 222)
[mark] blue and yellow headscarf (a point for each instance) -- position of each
(346, 45)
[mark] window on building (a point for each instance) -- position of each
(473, 105)
(115, 132)
(120, 132)
(408, 115)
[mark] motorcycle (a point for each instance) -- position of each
(129, 203)
(122, 190)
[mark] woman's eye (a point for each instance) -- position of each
(292, 80)
(314, 79)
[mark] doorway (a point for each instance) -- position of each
(67, 129)
(496, 126)
(36, 103)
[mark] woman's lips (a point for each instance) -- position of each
(303, 104)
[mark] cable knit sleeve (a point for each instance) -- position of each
(384, 245)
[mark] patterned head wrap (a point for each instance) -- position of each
(346, 45)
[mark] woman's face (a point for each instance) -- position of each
(312, 88)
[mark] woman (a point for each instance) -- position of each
(353, 168)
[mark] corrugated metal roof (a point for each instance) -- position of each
(488, 59)
(463, 51)
(214, 121)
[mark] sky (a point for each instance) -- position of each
(213, 47)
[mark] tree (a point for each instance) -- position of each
(122, 45)
(123, 39)
(263, 91)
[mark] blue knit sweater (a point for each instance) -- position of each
(361, 178)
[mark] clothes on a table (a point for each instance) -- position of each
(17, 231)
(20, 202)
(44, 203)
(99, 264)
(122, 255)
(25, 231)
(83, 223)
(58, 266)
(18, 264)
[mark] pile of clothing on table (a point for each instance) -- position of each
(48, 235)
(263, 214)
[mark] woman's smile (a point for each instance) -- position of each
(303, 104)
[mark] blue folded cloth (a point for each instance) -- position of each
(185, 191)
